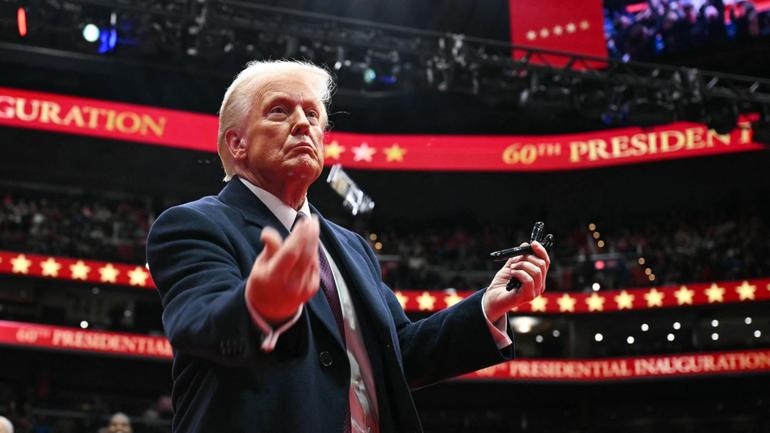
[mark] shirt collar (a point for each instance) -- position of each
(285, 213)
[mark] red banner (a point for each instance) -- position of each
(608, 369)
(65, 268)
(81, 116)
(575, 27)
(714, 293)
(61, 338)
(587, 370)
(36, 110)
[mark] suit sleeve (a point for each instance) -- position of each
(451, 342)
(202, 288)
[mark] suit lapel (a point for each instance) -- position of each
(357, 276)
(235, 194)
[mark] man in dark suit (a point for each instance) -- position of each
(278, 318)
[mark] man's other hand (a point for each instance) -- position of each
(286, 273)
(530, 269)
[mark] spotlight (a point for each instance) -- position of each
(598, 337)
(91, 32)
(369, 75)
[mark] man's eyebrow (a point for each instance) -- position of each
(272, 97)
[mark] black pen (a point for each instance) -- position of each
(511, 252)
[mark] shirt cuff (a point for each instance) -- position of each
(270, 335)
(499, 329)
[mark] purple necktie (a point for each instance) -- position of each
(329, 288)
(328, 285)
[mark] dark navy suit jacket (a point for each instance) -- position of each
(200, 255)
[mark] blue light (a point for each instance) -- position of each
(107, 41)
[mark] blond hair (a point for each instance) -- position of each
(240, 96)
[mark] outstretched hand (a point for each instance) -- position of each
(286, 274)
(530, 269)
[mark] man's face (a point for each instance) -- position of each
(284, 133)
(119, 424)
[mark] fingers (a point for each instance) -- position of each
(541, 253)
(272, 241)
(535, 273)
(299, 249)
(527, 289)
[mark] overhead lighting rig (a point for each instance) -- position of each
(371, 58)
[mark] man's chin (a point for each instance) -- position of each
(304, 168)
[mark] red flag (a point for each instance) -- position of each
(576, 27)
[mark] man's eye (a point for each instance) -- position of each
(279, 109)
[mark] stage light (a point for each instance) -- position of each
(378, 245)
(757, 333)
(715, 323)
(21, 21)
(109, 39)
(645, 327)
(596, 286)
(715, 336)
(598, 337)
(641, 261)
(91, 32)
(652, 277)
(596, 235)
(677, 325)
(556, 333)
(373, 236)
(645, 112)
(747, 320)
(83, 324)
(599, 265)
(524, 324)
(592, 226)
(721, 116)
(670, 337)
(369, 75)
(647, 271)
(630, 340)
(539, 338)
(600, 244)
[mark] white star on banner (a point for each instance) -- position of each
(363, 152)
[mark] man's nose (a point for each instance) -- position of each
(301, 125)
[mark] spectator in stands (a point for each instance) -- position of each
(119, 423)
(5, 425)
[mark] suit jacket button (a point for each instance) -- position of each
(326, 358)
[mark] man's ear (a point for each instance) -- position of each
(236, 144)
